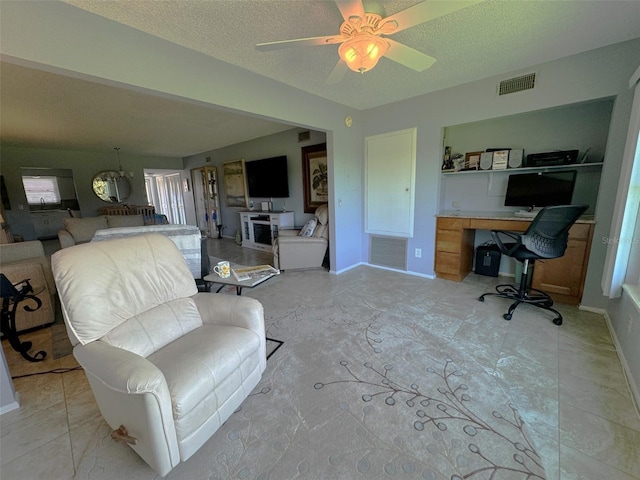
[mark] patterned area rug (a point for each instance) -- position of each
(353, 394)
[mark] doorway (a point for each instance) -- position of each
(164, 191)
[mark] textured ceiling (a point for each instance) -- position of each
(489, 37)
(485, 39)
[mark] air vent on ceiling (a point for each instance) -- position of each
(388, 252)
(517, 84)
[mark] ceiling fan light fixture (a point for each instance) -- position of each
(362, 52)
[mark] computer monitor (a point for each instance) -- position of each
(541, 189)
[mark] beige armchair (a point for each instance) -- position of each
(292, 251)
(27, 260)
(167, 365)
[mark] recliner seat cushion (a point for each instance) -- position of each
(203, 369)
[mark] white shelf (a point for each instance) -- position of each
(570, 166)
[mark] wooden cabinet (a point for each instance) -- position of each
(454, 248)
(260, 229)
(205, 194)
(563, 278)
(48, 222)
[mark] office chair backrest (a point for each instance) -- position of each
(548, 233)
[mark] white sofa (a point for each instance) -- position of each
(187, 238)
(292, 251)
(167, 363)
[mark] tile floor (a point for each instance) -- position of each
(567, 381)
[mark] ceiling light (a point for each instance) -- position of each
(362, 52)
(121, 172)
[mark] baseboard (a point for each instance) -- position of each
(351, 267)
(7, 408)
(633, 388)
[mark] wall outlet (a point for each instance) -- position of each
(455, 204)
(418, 253)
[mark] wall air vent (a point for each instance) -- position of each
(388, 252)
(517, 84)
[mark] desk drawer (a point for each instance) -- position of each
(448, 263)
(452, 223)
(449, 241)
(486, 224)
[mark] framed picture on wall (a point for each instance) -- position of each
(235, 184)
(314, 176)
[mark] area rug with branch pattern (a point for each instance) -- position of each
(358, 393)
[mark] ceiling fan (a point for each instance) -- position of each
(361, 36)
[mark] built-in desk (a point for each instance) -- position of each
(563, 278)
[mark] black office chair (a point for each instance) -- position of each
(545, 238)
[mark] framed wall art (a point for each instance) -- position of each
(235, 184)
(315, 176)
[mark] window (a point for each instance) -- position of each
(41, 190)
(623, 244)
(164, 191)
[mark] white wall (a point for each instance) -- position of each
(67, 40)
(593, 75)
(64, 39)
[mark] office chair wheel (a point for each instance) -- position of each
(481, 298)
(507, 316)
(557, 321)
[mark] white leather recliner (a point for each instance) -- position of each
(165, 362)
(291, 251)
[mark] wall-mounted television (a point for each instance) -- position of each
(541, 189)
(268, 178)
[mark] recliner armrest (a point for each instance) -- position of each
(132, 391)
(236, 311)
(121, 370)
(232, 310)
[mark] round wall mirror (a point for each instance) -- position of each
(111, 187)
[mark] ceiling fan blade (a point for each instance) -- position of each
(328, 40)
(337, 74)
(408, 57)
(425, 11)
(350, 8)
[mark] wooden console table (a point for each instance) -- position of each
(563, 278)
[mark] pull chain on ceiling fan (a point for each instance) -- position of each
(361, 41)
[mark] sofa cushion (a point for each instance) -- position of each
(115, 221)
(83, 229)
(309, 227)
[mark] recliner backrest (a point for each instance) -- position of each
(322, 228)
(548, 234)
(105, 284)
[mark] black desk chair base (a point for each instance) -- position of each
(524, 294)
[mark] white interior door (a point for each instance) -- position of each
(390, 165)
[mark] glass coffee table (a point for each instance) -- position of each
(242, 276)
